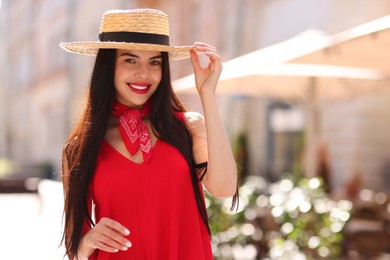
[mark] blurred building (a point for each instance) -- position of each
(42, 87)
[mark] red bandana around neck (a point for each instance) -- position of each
(133, 129)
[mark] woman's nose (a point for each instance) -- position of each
(142, 71)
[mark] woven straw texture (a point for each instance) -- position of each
(139, 20)
(136, 20)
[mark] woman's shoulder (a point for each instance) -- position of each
(196, 126)
(195, 123)
(193, 118)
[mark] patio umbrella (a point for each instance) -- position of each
(366, 45)
(304, 43)
(306, 83)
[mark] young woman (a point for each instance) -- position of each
(135, 165)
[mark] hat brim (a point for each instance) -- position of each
(92, 48)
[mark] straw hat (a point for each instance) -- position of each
(136, 29)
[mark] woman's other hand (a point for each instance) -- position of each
(108, 235)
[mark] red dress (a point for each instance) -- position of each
(155, 201)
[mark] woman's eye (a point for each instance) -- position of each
(155, 62)
(130, 60)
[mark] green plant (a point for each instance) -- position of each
(237, 234)
(306, 224)
(311, 224)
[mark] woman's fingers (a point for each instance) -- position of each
(113, 238)
(107, 244)
(108, 235)
(206, 48)
(210, 51)
(202, 45)
(195, 60)
(115, 225)
(103, 247)
(206, 78)
(215, 60)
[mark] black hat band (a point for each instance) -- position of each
(134, 37)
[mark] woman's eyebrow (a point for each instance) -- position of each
(156, 57)
(129, 54)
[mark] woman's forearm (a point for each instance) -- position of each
(221, 177)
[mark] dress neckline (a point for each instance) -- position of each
(120, 155)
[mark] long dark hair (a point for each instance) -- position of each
(82, 146)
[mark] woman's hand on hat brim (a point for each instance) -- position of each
(206, 78)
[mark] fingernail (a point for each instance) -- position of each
(116, 250)
(124, 248)
(127, 232)
(128, 244)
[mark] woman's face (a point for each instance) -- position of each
(137, 76)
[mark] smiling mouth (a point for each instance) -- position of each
(139, 87)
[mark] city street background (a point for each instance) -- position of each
(42, 90)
